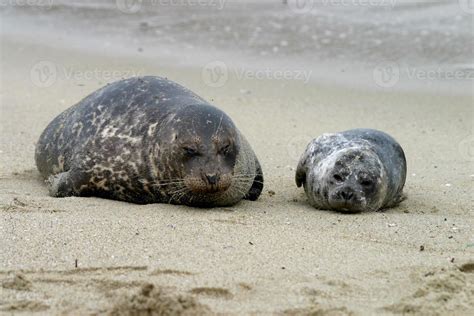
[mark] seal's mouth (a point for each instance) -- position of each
(349, 210)
(208, 184)
(211, 190)
(347, 207)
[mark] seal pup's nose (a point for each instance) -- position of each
(347, 194)
(211, 179)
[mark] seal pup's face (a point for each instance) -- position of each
(204, 149)
(355, 181)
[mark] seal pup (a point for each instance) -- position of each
(353, 171)
(148, 140)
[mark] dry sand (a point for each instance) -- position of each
(275, 255)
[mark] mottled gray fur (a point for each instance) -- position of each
(352, 171)
(122, 142)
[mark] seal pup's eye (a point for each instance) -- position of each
(366, 182)
(190, 152)
(337, 177)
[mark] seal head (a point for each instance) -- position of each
(356, 181)
(200, 144)
(353, 171)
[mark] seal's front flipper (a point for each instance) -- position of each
(257, 185)
(64, 184)
(398, 199)
(300, 176)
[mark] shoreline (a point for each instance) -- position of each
(374, 75)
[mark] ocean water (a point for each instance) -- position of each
(383, 44)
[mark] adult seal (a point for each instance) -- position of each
(148, 140)
(353, 171)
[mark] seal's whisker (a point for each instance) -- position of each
(246, 180)
(165, 184)
(179, 190)
(243, 177)
(179, 196)
(244, 185)
(261, 182)
(240, 188)
(178, 193)
(160, 182)
(242, 192)
(171, 180)
(218, 126)
(240, 183)
(245, 174)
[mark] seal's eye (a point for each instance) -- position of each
(337, 177)
(225, 150)
(366, 182)
(190, 152)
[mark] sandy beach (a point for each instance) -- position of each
(277, 255)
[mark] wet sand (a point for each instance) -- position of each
(275, 255)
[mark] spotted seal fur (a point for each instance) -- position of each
(353, 171)
(148, 140)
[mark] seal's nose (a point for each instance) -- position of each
(211, 179)
(347, 194)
